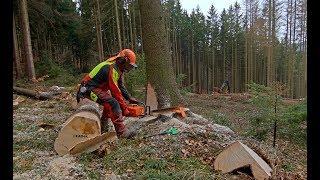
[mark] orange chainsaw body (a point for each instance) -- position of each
(136, 110)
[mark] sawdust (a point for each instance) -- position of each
(65, 167)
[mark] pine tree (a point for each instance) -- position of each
(27, 39)
(159, 71)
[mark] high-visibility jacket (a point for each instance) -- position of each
(107, 76)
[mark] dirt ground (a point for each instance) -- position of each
(185, 156)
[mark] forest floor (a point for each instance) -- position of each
(183, 156)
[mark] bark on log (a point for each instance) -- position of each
(35, 94)
(151, 98)
(84, 124)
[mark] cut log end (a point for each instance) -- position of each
(82, 125)
(238, 155)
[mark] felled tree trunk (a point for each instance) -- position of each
(84, 124)
(35, 94)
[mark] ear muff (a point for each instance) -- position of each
(122, 60)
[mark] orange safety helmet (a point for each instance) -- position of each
(129, 55)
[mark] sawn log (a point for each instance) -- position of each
(84, 124)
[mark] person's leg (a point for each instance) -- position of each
(100, 96)
(112, 110)
(104, 120)
(118, 119)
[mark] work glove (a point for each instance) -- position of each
(135, 101)
(126, 112)
(81, 91)
(79, 96)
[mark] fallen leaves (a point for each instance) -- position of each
(42, 78)
(202, 149)
(185, 152)
(18, 100)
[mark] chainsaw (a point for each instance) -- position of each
(138, 110)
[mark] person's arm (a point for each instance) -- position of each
(115, 91)
(125, 92)
(123, 89)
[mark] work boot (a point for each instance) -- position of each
(127, 134)
(104, 125)
(104, 119)
(121, 130)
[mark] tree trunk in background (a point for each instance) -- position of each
(295, 83)
(304, 47)
(118, 25)
(159, 71)
(16, 49)
(232, 68)
(124, 37)
(291, 57)
(246, 62)
(173, 43)
(198, 71)
(99, 32)
(134, 39)
(207, 67)
(269, 44)
(228, 71)
(181, 63)
(188, 63)
(273, 45)
(251, 65)
(213, 75)
(237, 74)
(193, 66)
(224, 75)
(176, 54)
(130, 28)
(141, 36)
(49, 47)
(27, 39)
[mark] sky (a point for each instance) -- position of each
(205, 5)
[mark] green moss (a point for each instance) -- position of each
(219, 118)
(94, 175)
(288, 167)
(19, 126)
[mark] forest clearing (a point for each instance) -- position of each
(164, 157)
(226, 91)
